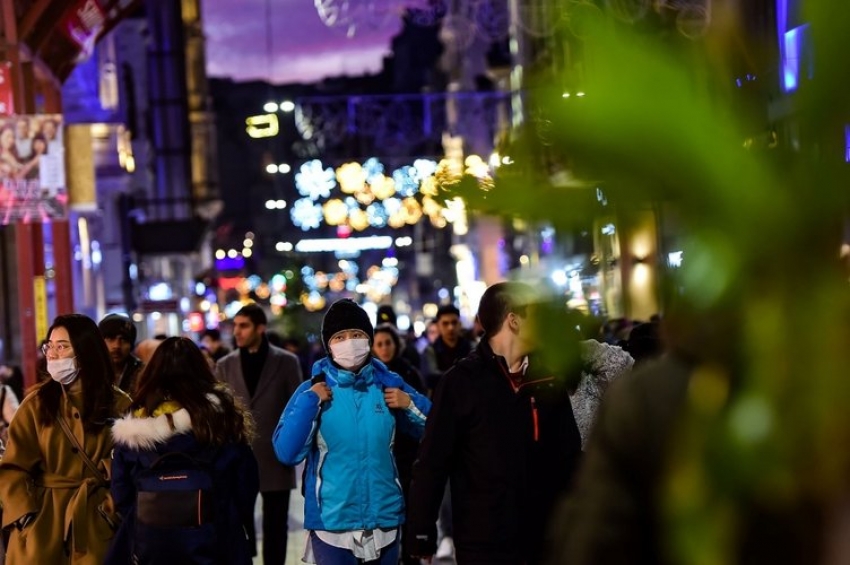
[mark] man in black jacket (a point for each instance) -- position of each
(502, 430)
(119, 334)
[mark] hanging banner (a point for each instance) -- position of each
(32, 169)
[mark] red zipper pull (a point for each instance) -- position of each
(534, 419)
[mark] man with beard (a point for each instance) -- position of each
(119, 333)
(264, 377)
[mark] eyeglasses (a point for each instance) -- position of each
(59, 348)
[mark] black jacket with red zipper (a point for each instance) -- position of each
(509, 452)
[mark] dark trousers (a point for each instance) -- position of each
(275, 526)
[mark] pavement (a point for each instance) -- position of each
(297, 533)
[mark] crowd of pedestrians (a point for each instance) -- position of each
(460, 445)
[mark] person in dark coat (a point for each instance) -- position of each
(180, 408)
(119, 334)
(502, 430)
(264, 377)
(449, 346)
(388, 349)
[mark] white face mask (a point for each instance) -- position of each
(351, 353)
(63, 371)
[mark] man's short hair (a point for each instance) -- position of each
(118, 325)
(255, 313)
(446, 310)
(501, 299)
(212, 333)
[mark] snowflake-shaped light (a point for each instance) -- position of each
(372, 167)
(406, 183)
(306, 214)
(424, 168)
(314, 181)
(392, 205)
(352, 203)
(377, 215)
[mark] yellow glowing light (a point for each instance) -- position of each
(429, 186)
(264, 125)
(397, 219)
(382, 187)
(449, 171)
(263, 291)
(412, 210)
(313, 302)
(477, 167)
(429, 309)
(365, 196)
(358, 220)
(431, 207)
(438, 221)
(335, 212)
(351, 178)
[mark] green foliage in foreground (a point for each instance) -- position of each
(765, 295)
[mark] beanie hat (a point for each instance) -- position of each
(345, 314)
(386, 314)
(117, 325)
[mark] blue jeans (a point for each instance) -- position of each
(326, 554)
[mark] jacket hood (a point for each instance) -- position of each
(147, 432)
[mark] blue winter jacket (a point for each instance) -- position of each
(350, 480)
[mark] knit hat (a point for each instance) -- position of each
(117, 325)
(345, 315)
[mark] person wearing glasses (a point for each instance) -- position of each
(54, 476)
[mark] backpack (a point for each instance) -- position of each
(177, 509)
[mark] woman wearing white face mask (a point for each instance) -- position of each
(344, 422)
(54, 488)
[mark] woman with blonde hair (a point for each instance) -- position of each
(186, 426)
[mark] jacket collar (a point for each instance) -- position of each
(343, 377)
(147, 432)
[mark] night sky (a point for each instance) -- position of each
(304, 49)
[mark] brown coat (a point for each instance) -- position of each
(42, 473)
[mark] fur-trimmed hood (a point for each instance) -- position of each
(147, 432)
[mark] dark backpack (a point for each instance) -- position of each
(177, 506)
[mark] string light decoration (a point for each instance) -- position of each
(314, 181)
(368, 197)
(306, 214)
